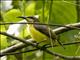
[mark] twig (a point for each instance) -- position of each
(69, 43)
(8, 23)
(13, 53)
(59, 25)
(69, 27)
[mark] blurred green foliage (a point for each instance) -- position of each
(62, 12)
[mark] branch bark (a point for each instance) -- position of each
(66, 28)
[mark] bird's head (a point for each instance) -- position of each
(30, 18)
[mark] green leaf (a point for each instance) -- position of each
(11, 16)
(63, 13)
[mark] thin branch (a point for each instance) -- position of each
(13, 53)
(59, 25)
(68, 27)
(8, 23)
(69, 43)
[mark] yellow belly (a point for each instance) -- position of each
(37, 36)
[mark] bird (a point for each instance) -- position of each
(42, 34)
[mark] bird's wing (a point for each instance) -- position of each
(45, 30)
(48, 32)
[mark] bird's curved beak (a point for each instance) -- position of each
(23, 17)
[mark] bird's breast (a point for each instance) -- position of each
(36, 35)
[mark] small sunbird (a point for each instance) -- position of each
(40, 33)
